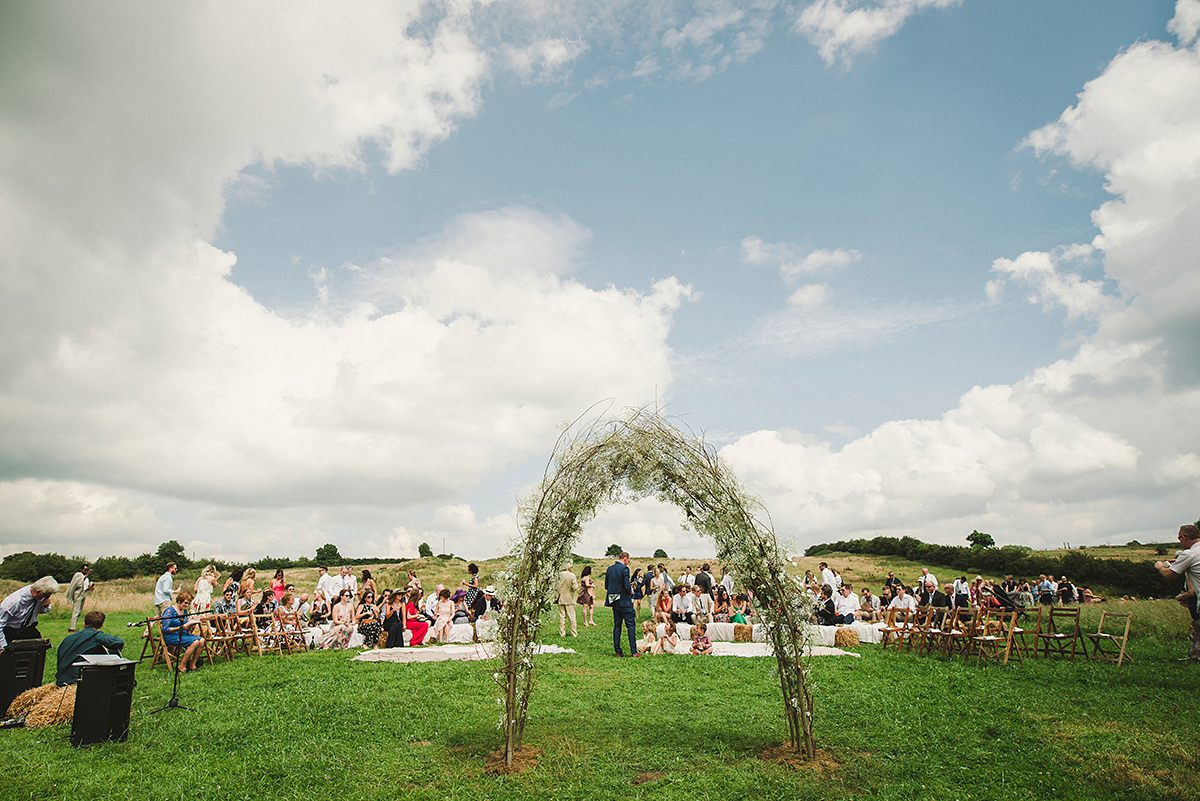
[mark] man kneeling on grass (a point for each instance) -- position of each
(701, 644)
(89, 641)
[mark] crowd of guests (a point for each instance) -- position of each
(341, 605)
(837, 603)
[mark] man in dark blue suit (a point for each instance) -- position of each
(619, 595)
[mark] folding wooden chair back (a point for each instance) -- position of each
(942, 622)
(1060, 630)
(994, 639)
(268, 634)
(1109, 646)
(957, 639)
(292, 631)
(152, 643)
(895, 627)
(918, 630)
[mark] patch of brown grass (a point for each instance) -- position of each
(642, 778)
(524, 758)
(823, 763)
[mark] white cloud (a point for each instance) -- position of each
(791, 261)
(844, 29)
(130, 359)
(1100, 446)
(80, 518)
(810, 325)
(1186, 22)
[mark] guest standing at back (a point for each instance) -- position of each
(619, 595)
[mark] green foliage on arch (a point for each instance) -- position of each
(621, 460)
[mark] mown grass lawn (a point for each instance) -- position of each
(890, 726)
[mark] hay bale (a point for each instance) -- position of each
(845, 637)
(743, 632)
(27, 700)
(54, 708)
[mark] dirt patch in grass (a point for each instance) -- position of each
(524, 758)
(642, 778)
(823, 763)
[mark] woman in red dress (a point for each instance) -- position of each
(418, 627)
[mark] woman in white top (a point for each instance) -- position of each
(204, 589)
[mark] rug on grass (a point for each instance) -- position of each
(441, 653)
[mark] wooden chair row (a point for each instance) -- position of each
(997, 635)
(229, 635)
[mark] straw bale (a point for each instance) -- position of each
(27, 700)
(743, 632)
(56, 707)
(845, 638)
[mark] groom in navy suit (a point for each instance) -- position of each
(619, 595)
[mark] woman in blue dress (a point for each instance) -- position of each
(177, 634)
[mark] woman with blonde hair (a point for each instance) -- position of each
(248, 580)
(204, 589)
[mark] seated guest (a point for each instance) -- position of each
(91, 640)
(669, 642)
(176, 631)
(742, 611)
(418, 628)
(266, 604)
(303, 608)
(903, 599)
(932, 596)
(681, 604)
(341, 627)
(662, 607)
(444, 619)
(885, 597)
(702, 604)
(367, 617)
(868, 607)
(483, 604)
(826, 611)
(646, 644)
(393, 619)
(701, 644)
(225, 605)
(722, 606)
(845, 605)
(319, 612)
(461, 614)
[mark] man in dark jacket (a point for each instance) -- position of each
(90, 640)
(619, 595)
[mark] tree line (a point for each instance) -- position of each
(1119, 575)
(30, 566)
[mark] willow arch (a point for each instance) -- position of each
(638, 455)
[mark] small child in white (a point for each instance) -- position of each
(646, 644)
(667, 643)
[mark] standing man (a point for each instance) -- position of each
(727, 580)
(1187, 564)
(89, 641)
(327, 584)
(164, 590)
(704, 580)
(347, 581)
(568, 590)
(19, 611)
(77, 590)
(619, 595)
(827, 576)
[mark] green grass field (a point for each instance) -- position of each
(890, 725)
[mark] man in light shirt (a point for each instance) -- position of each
(19, 611)
(701, 605)
(1187, 564)
(681, 605)
(164, 589)
(327, 584)
(868, 606)
(827, 576)
(903, 600)
(925, 578)
(347, 581)
(845, 605)
(686, 576)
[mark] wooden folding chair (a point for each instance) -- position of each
(292, 631)
(895, 628)
(1061, 629)
(152, 643)
(957, 640)
(269, 633)
(994, 640)
(1108, 647)
(939, 628)
(918, 630)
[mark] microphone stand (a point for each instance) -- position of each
(173, 701)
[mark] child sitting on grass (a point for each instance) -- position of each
(700, 642)
(667, 643)
(647, 642)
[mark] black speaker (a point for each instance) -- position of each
(103, 699)
(22, 666)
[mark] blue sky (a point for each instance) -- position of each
(456, 227)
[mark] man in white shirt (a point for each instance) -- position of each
(727, 581)
(327, 584)
(903, 600)
(347, 581)
(686, 577)
(1187, 564)
(845, 604)
(19, 611)
(303, 607)
(681, 605)
(827, 577)
(925, 578)
(164, 589)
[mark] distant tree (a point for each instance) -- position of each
(172, 551)
(328, 555)
(980, 540)
(1133, 544)
(613, 550)
(424, 551)
(661, 554)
